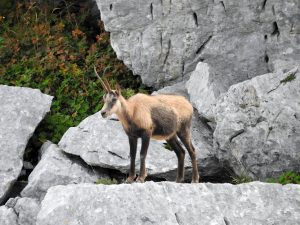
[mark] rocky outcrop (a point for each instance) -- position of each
(201, 91)
(21, 111)
(258, 125)
(56, 168)
(164, 40)
(19, 211)
(171, 203)
(103, 143)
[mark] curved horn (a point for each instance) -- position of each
(106, 88)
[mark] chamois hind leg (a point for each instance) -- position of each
(143, 154)
(185, 136)
(180, 153)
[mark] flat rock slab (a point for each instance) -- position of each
(170, 203)
(56, 168)
(101, 142)
(21, 111)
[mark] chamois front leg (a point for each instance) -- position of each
(133, 146)
(143, 154)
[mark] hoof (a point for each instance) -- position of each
(140, 180)
(129, 180)
(195, 180)
(179, 180)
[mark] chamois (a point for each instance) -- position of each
(161, 117)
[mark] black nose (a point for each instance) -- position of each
(103, 114)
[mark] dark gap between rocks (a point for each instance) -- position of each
(275, 29)
(195, 18)
(168, 52)
(30, 157)
(151, 10)
(14, 191)
(222, 3)
(264, 5)
(266, 58)
(200, 49)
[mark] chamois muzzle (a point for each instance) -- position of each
(103, 114)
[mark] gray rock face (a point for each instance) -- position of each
(103, 143)
(55, 168)
(21, 111)
(171, 203)
(258, 125)
(164, 40)
(8, 216)
(19, 211)
(202, 91)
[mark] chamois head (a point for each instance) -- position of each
(111, 98)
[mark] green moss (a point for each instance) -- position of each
(107, 181)
(286, 178)
(289, 78)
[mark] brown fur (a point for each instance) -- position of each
(161, 117)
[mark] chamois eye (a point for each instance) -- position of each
(114, 100)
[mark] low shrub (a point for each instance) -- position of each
(54, 50)
(286, 178)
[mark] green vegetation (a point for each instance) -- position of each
(241, 179)
(167, 146)
(54, 50)
(289, 78)
(107, 181)
(286, 178)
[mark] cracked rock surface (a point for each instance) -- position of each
(21, 111)
(101, 142)
(164, 40)
(160, 203)
(258, 125)
(56, 168)
(19, 211)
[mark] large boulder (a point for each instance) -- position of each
(171, 203)
(56, 168)
(21, 111)
(164, 40)
(19, 211)
(258, 125)
(103, 143)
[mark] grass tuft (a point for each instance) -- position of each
(289, 78)
(286, 178)
(107, 181)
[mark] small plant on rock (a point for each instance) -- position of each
(107, 181)
(286, 178)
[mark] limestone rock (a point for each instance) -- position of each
(8, 216)
(56, 168)
(103, 143)
(19, 211)
(201, 90)
(21, 111)
(163, 41)
(171, 203)
(258, 125)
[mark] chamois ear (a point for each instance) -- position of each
(118, 89)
